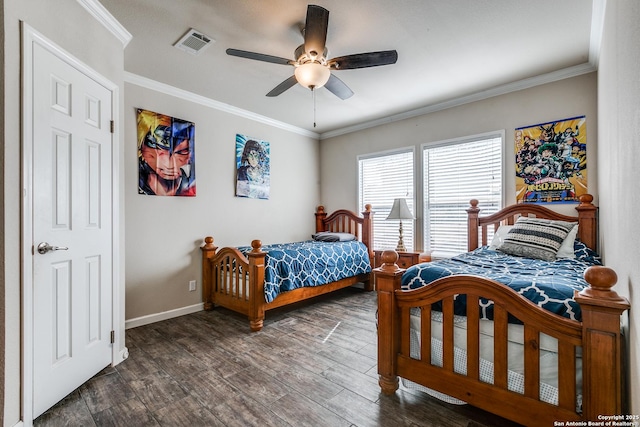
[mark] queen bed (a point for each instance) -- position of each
(532, 335)
(254, 279)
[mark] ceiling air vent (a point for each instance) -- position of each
(193, 42)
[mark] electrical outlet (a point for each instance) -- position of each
(192, 285)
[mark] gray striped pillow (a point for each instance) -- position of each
(536, 238)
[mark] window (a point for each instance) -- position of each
(455, 172)
(382, 178)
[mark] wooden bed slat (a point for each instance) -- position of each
(531, 362)
(566, 375)
(500, 340)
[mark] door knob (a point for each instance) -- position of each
(44, 247)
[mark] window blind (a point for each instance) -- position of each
(383, 178)
(455, 173)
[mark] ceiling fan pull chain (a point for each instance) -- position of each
(313, 93)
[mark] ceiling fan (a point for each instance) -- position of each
(312, 67)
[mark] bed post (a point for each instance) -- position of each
(256, 286)
(473, 224)
(367, 239)
(588, 222)
(321, 215)
(208, 252)
(388, 277)
(602, 346)
(367, 230)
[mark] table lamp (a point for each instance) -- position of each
(400, 210)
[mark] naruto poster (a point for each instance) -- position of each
(166, 157)
(551, 161)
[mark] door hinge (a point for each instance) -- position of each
(113, 125)
(113, 337)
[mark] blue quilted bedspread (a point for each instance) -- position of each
(550, 285)
(310, 263)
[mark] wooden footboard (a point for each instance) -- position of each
(597, 337)
(231, 280)
(236, 282)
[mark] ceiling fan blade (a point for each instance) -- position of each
(364, 60)
(338, 88)
(290, 82)
(315, 30)
(259, 57)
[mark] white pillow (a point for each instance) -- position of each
(566, 249)
(498, 237)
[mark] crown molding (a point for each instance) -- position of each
(478, 96)
(208, 102)
(103, 16)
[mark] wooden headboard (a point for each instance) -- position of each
(345, 221)
(586, 218)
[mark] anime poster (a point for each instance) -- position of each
(551, 161)
(252, 165)
(166, 157)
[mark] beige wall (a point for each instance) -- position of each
(563, 99)
(164, 233)
(618, 154)
(80, 35)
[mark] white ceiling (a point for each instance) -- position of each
(449, 51)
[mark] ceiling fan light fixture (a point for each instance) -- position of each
(312, 75)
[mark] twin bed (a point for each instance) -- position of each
(532, 340)
(253, 280)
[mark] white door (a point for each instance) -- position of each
(72, 209)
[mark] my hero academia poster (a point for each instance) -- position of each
(551, 161)
(166, 156)
(252, 167)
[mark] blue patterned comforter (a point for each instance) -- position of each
(550, 285)
(290, 266)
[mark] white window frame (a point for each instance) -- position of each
(464, 204)
(382, 229)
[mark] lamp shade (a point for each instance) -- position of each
(312, 75)
(400, 210)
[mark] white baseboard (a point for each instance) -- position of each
(157, 317)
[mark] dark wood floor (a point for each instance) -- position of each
(312, 365)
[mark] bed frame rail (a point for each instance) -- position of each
(598, 335)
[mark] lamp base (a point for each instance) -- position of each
(400, 247)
